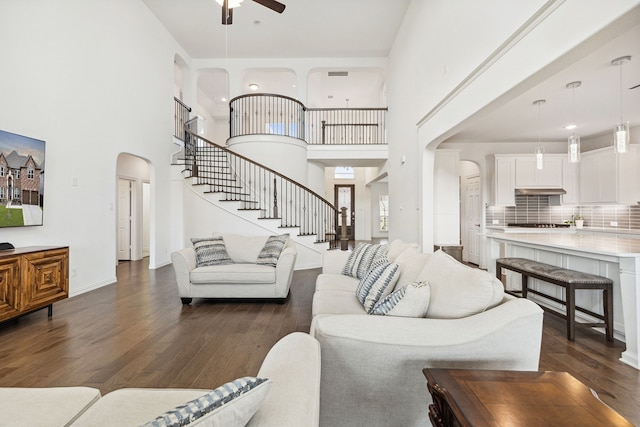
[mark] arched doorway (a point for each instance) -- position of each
(133, 175)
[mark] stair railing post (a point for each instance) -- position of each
(275, 199)
(344, 240)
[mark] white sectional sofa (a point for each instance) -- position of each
(372, 364)
(241, 276)
(290, 398)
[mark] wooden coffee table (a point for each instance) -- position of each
(512, 398)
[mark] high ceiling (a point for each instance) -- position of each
(367, 28)
(306, 29)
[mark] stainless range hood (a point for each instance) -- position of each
(540, 191)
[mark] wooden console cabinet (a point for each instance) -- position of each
(32, 278)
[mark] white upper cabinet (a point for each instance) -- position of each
(504, 186)
(570, 182)
(607, 177)
(528, 176)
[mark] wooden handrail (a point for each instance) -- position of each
(260, 188)
(267, 168)
(182, 103)
(251, 95)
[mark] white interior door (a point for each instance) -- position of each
(473, 218)
(124, 219)
(146, 219)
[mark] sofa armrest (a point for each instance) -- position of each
(183, 261)
(284, 269)
(367, 360)
(334, 261)
(293, 364)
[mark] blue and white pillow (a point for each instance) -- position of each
(362, 258)
(377, 283)
(272, 249)
(232, 404)
(210, 251)
(409, 301)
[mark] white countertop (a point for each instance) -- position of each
(620, 245)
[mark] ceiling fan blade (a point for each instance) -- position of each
(634, 87)
(274, 5)
(227, 13)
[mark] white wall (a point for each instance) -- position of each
(434, 86)
(92, 78)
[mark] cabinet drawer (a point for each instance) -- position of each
(44, 279)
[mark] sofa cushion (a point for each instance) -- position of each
(210, 251)
(409, 301)
(272, 249)
(48, 406)
(362, 257)
(336, 302)
(230, 405)
(233, 273)
(336, 282)
(458, 290)
(377, 283)
(398, 246)
(411, 262)
(243, 249)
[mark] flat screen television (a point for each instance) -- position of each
(21, 180)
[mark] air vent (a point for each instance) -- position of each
(338, 74)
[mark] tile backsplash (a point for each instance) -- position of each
(537, 209)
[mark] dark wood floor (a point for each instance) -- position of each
(136, 333)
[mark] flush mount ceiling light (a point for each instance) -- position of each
(539, 149)
(621, 134)
(253, 86)
(573, 143)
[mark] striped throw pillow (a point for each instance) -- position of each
(362, 258)
(377, 283)
(272, 249)
(232, 404)
(210, 251)
(409, 301)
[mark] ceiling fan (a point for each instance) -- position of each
(227, 10)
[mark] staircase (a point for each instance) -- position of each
(259, 193)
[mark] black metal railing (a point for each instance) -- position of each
(266, 114)
(346, 126)
(181, 116)
(259, 188)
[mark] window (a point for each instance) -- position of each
(1, 170)
(384, 212)
(1, 193)
(30, 173)
(344, 172)
(16, 173)
(16, 194)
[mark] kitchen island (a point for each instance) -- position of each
(616, 256)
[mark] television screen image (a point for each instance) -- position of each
(21, 180)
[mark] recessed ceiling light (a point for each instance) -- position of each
(570, 127)
(253, 86)
(223, 99)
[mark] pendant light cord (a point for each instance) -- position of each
(620, 68)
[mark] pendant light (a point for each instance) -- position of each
(621, 134)
(539, 149)
(573, 143)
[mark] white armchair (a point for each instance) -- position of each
(244, 278)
